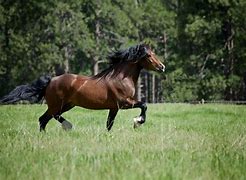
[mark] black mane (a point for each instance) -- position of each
(133, 53)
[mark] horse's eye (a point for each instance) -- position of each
(149, 59)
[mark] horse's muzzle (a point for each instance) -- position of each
(161, 68)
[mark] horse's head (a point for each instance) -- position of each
(140, 54)
(149, 61)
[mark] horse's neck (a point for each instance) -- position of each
(128, 70)
(120, 72)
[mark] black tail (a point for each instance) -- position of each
(33, 92)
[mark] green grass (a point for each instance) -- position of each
(178, 141)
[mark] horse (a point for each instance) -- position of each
(114, 88)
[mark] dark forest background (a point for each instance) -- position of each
(202, 43)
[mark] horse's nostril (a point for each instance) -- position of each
(162, 68)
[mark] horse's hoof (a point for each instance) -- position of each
(66, 125)
(136, 125)
(137, 121)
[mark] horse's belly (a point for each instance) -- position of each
(90, 103)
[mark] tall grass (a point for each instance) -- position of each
(178, 141)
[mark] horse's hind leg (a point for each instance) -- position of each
(43, 120)
(66, 125)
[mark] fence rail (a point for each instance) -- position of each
(211, 102)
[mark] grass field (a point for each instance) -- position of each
(178, 141)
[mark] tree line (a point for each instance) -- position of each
(202, 43)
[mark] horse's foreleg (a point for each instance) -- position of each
(142, 117)
(137, 104)
(111, 117)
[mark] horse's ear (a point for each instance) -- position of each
(143, 51)
(145, 48)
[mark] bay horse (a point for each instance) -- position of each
(114, 88)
